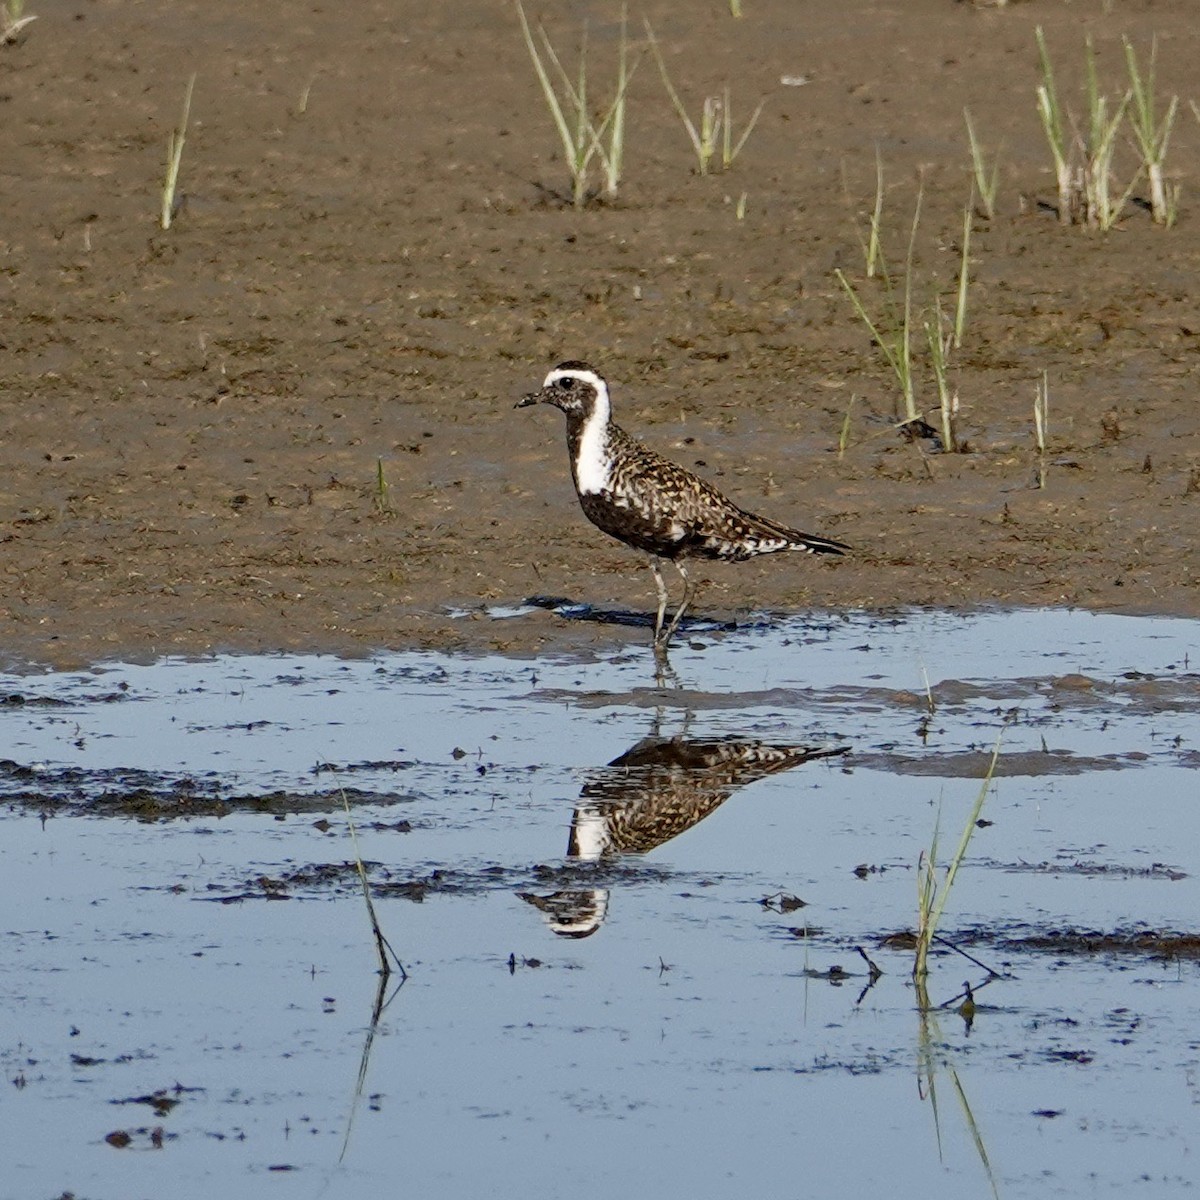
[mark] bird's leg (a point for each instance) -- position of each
(664, 676)
(660, 583)
(689, 590)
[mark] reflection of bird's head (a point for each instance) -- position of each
(574, 914)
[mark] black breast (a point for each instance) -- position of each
(643, 527)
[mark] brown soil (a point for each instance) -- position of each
(194, 417)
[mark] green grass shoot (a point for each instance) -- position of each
(872, 250)
(1055, 127)
(729, 149)
(383, 495)
(13, 20)
(1152, 133)
(383, 948)
(964, 278)
(1103, 210)
(895, 345)
(910, 404)
(1041, 423)
(716, 118)
(614, 158)
(939, 339)
(987, 178)
(704, 139)
(175, 143)
(1041, 412)
(893, 331)
(582, 139)
(898, 320)
(1083, 161)
(844, 436)
(302, 106)
(932, 894)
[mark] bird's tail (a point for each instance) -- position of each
(808, 542)
(819, 545)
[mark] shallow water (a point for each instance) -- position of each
(190, 966)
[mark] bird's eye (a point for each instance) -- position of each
(565, 382)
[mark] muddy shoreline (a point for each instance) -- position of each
(196, 419)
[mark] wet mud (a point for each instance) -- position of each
(287, 421)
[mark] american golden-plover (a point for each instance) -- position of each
(650, 503)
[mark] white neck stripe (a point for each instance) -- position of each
(593, 470)
(590, 834)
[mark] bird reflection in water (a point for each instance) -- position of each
(650, 794)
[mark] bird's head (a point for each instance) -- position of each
(576, 388)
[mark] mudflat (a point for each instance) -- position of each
(287, 421)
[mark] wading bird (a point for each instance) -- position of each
(650, 503)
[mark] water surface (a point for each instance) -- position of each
(630, 914)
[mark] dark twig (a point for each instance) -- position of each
(937, 937)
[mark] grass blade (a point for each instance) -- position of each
(986, 182)
(1152, 136)
(548, 92)
(747, 131)
(175, 143)
(692, 132)
(964, 279)
(932, 898)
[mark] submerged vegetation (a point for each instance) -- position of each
(933, 893)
